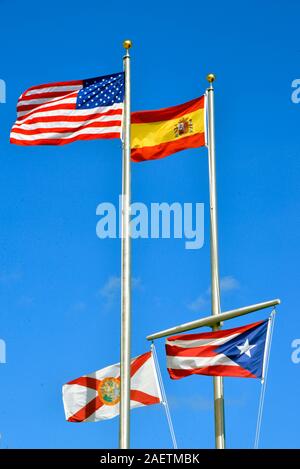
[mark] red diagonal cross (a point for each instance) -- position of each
(91, 407)
(85, 412)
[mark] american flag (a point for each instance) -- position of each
(63, 112)
(238, 352)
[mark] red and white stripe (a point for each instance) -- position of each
(47, 115)
(81, 397)
(191, 354)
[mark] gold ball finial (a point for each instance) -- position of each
(211, 77)
(127, 44)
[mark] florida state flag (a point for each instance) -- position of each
(96, 396)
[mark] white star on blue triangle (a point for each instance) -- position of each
(247, 349)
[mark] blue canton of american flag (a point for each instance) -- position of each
(238, 352)
(63, 112)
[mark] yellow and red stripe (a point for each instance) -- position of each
(156, 134)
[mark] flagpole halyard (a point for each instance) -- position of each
(124, 433)
(265, 369)
(268, 343)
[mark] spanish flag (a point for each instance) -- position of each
(156, 134)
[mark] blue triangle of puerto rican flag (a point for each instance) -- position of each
(247, 349)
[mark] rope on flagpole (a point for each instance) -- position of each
(164, 397)
(264, 381)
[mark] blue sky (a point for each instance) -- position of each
(59, 298)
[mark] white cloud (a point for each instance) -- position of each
(227, 284)
(195, 403)
(199, 303)
(7, 278)
(111, 290)
(79, 306)
(202, 403)
(25, 301)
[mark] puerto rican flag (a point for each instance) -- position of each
(63, 112)
(237, 352)
(96, 396)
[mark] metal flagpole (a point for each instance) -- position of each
(214, 260)
(124, 436)
(215, 319)
(211, 320)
